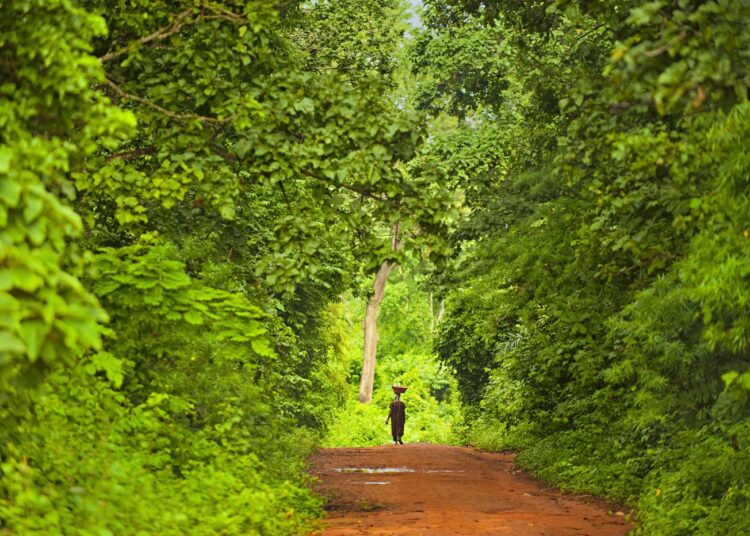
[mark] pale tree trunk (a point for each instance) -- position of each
(432, 315)
(371, 333)
(435, 322)
(372, 311)
(441, 313)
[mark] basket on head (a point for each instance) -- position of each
(398, 389)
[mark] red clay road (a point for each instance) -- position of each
(436, 490)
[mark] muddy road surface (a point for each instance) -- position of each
(423, 489)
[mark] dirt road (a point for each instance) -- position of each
(437, 490)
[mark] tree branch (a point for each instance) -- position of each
(226, 155)
(665, 47)
(182, 19)
(172, 115)
(229, 15)
(134, 153)
(360, 191)
(579, 39)
(162, 33)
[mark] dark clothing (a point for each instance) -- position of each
(397, 415)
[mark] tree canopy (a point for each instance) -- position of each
(193, 193)
(187, 188)
(596, 313)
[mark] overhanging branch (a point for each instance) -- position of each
(360, 191)
(181, 20)
(168, 113)
(161, 33)
(133, 153)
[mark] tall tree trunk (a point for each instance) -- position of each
(367, 380)
(435, 322)
(441, 313)
(432, 315)
(371, 333)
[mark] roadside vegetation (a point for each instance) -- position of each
(202, 201)
(597, 303)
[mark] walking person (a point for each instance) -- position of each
(397, 415)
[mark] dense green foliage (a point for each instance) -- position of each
(598, 309)
(186, 188)
(405, 356)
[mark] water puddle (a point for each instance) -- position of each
(444, 471)
(376, 470)
(392, 470)
(376, 483)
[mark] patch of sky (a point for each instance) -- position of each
(414, 7)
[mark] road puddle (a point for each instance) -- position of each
(376, 483)
(393, 470)
(444, 471)
(375, 470)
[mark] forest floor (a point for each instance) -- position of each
(439, 490)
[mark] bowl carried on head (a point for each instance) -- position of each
(398, 389)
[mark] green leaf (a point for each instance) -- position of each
(33, 208)
(6, 156)
(111, 366)
(262, 347)
(193, 317)
(10, 343)
(34, 334)
(729, 377)
(10, 192)
(227, 211)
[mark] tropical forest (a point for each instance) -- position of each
(231, 229)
